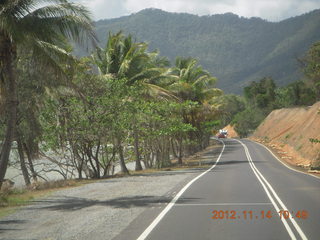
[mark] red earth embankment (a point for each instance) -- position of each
(288, 131)
(231, 132)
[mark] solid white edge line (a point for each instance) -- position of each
(221, 204)
(293, 221)
(155, 222)
(295, 224)
(308, 174)
(286, 225)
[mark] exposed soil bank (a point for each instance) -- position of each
(289, 130)
(231, 132)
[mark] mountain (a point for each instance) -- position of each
(235, 49)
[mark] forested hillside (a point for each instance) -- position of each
(236, 50)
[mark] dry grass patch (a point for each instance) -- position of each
(11, 199)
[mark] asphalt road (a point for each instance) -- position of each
(241, 197)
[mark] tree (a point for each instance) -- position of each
(193, 83)
(42, 29)
(311, 67)
(124, 59)
(261, 94)
(247, 121)
(230, 105)
(298, 93)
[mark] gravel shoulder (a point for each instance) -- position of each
(95, 211)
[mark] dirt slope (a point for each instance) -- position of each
(289, 130)
(231, 132)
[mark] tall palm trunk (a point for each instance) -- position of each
(7, 60)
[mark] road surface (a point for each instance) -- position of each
(240, 197)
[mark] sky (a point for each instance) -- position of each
(271, 10)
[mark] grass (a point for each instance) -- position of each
(315, 168)
(288, 136)
(17, 197)
(11, 199)
(266, 139)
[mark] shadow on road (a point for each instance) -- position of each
(9, 223)
(74, 204)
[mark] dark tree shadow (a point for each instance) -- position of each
(74, 203)
(9, 225)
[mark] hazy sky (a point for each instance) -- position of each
(272, 10)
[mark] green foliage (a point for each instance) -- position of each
(192, 82)
(314, 140)
(40, 29)
(123, 114)
(298, 93)
(247, 121)
(229, 106)
(312, 68)
(260, 101)
(262, 94)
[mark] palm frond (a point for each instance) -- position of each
(23, 20)
(155, 91)
(70, 20)
(205, 81)
(50, 56)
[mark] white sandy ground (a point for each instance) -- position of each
(14, 172)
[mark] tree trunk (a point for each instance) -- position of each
(96, 159)
(7, 60)
(136, 149)
(33, 172)
(180, 151)
(122, 162)
(24, 168)
(175, 155)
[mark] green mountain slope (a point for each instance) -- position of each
(236, 50)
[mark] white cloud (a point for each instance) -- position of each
(105, 8)
(273, 10)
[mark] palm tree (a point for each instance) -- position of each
(123, 58)
(192, 83)
(41, 27)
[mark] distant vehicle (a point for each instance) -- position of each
(223, 133)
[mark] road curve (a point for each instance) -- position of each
(242, 196)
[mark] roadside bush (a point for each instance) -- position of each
(3, 198)
(247, 121)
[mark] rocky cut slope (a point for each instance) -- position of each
(290, 130)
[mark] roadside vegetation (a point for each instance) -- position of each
(122, 103)
(260, 98)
